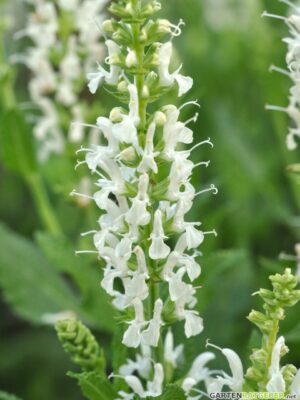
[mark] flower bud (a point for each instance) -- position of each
(160, 118)
(128, 154)
(145, 92)
(108, 26)
(131, 59)
(123, 86)
(116, 115)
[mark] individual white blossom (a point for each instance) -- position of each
(197, 373)
(153, 387)
(235, 381)
(166, 78)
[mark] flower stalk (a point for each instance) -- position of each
(144, 192)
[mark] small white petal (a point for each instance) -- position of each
(185, 83)
(193, 324)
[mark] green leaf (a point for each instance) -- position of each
(31, 285)
(17, 144)
(7, 396)
(94, 386)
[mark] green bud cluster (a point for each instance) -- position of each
(283, 295)
(78, 341)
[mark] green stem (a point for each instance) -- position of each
(139, 48)
(44, 208)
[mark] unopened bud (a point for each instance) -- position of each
(108, 26)
(123, 86)
(128, 154)
(160, 118)
(145, 92)
(131, 59)
(163, 26)
(116, 115)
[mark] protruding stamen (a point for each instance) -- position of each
(212, 345)
(213, 232)
(193, 102)
(88, 233)
(212, 188)
(275, 108)
(205, 163)
(177, 31)
(193, 119)
(275, 16)
(78, 163)
(85, 196)
(208, 141)
(78, 252)
(280, 70)
(82, 149)
(85, 125)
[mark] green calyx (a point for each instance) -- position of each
(78, 341)
(283, 295)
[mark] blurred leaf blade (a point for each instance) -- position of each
(17, 143)
(30, 284)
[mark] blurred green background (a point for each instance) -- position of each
(227, 48)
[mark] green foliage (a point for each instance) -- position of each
(17, 144)
(78, 341)
(94, 386)
(7, 396)
(30, 284)
(173, 392)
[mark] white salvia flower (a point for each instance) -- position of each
(167, 78)
(198, 372)
(154, 388)
(138, 214)
(295, 386)
(276, 382)
(142, 364)
(148, 160)
(234, 382)
(158, 249)
(151, 335)
(111, 77)
(125, 131)
(171, 354)
(174, 131)
(132, 337)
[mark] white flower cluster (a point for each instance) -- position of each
(293, 72)
(144, 191)
(132, 207)
(64, 47)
